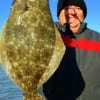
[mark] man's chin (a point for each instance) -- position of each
(72, 25)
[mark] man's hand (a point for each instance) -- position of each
(62, 17)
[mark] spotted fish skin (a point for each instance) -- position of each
(31, 50)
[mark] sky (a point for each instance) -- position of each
(93, 15)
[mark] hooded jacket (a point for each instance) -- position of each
(77, 77)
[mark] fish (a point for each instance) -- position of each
(31, 46)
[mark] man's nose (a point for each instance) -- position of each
(70, 12)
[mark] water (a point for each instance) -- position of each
(8, 89)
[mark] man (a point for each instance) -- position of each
(77, 77)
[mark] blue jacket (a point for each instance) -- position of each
(77, 77)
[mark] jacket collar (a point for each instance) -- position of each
(83, 26)
(65, 28)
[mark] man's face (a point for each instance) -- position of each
(72, 15)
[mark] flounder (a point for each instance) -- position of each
(31, 48)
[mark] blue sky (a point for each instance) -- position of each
(92, 17)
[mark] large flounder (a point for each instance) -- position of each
(31, 50)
